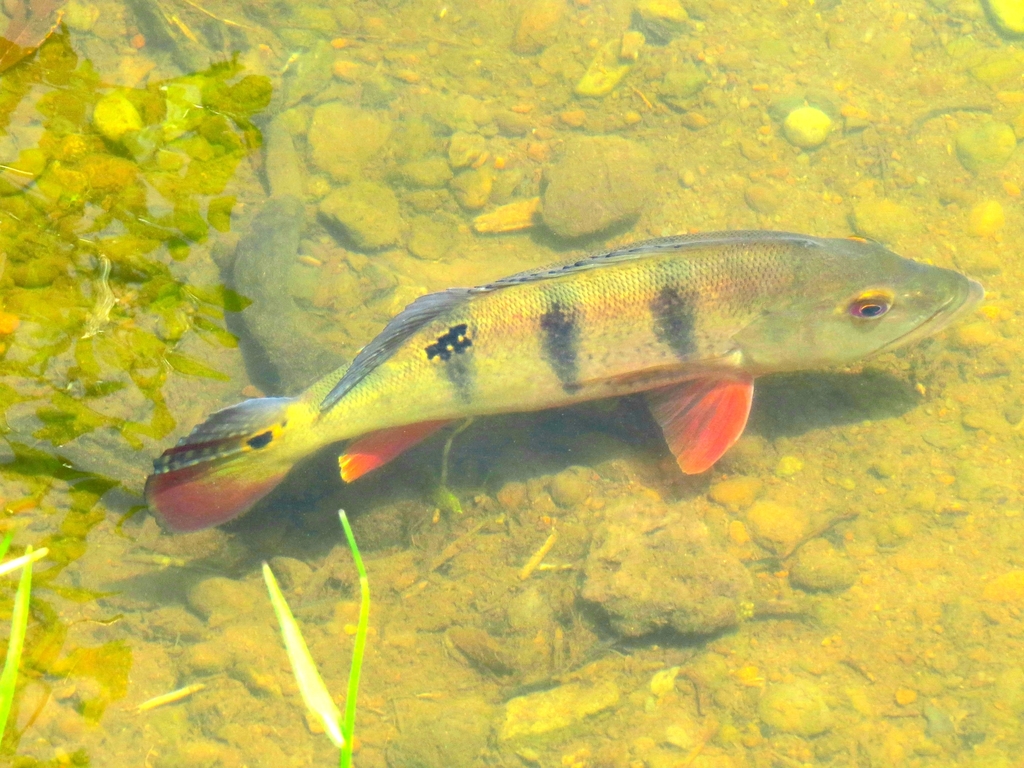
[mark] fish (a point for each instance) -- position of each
(689, 321)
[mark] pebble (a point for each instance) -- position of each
(798, 708)
(737, 492)
(807, 127)
(473, 188)
(789, 466)
(570, 487)
(976, 335)
(679, 86)
(547, 711)
(986, 218)
(342, 139)
(80, 16)
(430, 238)
(208, 658)
(763, 198)
(662, 20)
(430, 173)
(464, 149)
(605, 72)
(529, 611)
(290, 572)
(221, 597)
(1007, 16)
(905, 696)
(819, 567)
(775, 526)
(598, 182)
(114, 116)
(881, 219)
(538, 24)
(985, 146)
(1008, 588)
(367, 212)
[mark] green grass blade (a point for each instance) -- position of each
(30, 556)
(19, 624)
(6, 544)
(349, 724)
(311, 685)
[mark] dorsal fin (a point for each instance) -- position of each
(433, 305)
(402, 326)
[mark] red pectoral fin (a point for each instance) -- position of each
(702, 418)
(378, 448)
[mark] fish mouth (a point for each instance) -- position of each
(961, 303)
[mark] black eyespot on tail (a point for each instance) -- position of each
(260, 441)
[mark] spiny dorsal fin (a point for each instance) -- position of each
(402, 326)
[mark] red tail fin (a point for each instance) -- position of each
(227, 464)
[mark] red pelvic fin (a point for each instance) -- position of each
(702, 418)
(227, 464)
(378, 448)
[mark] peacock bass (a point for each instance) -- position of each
(690, 321)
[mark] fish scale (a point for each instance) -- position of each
(689, 321)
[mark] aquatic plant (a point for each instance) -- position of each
(314, 692)
(19, 624)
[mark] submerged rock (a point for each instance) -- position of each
(648, 573)
(289, 348)
(599, 182)
(798, 708)
(367, 212)
(537, 26)
(819, 567)
(985, 146)
(559, 708)
(1006, 15)
(342, 139)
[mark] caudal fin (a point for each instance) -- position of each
(227, 464)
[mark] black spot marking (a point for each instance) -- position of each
(561, 336)
(260, 441)
(454, 342)
(674, 321)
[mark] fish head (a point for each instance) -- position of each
(850, 299)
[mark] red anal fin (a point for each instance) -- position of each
(702, 418)
(378, 448)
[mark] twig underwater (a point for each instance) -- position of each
(340, 730)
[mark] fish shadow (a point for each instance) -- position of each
(787, 405)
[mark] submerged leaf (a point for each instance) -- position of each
(192, 367)
(311, 685)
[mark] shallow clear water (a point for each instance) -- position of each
(202, 202)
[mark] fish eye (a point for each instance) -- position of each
(869, 306)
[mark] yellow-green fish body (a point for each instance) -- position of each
(691, 320)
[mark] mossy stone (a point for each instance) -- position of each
(368, 212)
(819, 567)
(1006, 15)
(798, 708)
(679, 86)
(114, 116)
(807, 127)
(985, 146)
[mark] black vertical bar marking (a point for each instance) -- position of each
(674, 322)
(462, 377)
(560, 337)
